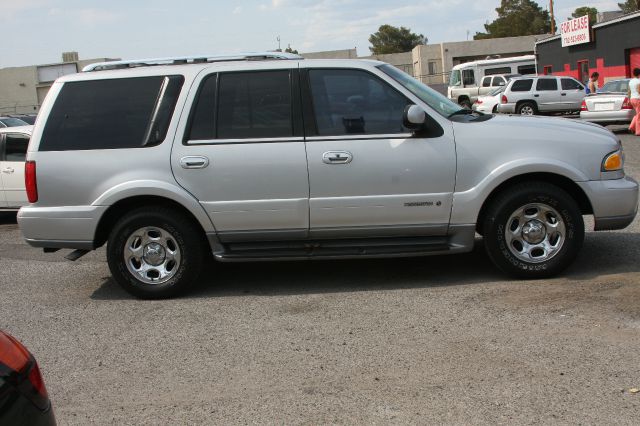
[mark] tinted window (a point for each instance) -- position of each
(527, 69)
(203, 116)
(501, 70)
(111, 114)
(486, 82)
(468, 77)
(547, 84)
(355, 102)
(522, 85)
(13, 122)
(570, 84)
(612, 86)
(254, 105)
(16, 147)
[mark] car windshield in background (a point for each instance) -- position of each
(435, 100)
(13, 122)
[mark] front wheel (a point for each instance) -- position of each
(533, 230)
(155, 253)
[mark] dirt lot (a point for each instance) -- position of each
(428, 340)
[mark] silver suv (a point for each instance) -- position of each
(542, 94)
(271, 157)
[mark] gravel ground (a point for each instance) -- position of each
(405, 341)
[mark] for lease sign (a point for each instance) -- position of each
(575, 31)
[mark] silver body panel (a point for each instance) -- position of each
(606, 108)
(559, 100)
(273, 189)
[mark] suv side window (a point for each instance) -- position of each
(15, 146)
(570, 84)
(486, 82)
(355, 102)
(546, 84)
(522, 85)
(111, 114)
(254, 105)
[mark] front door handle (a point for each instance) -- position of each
(8, 170)
(563, 94)
(194, 162)
(536, 96)
(337, 157)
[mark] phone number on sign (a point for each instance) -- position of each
(575, 38)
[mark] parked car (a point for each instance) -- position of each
(283, 158)
(488, 104)
(610, 105)
(13, 150)
(11, 122)
(27, 118)
(24, 400)
(541, 94)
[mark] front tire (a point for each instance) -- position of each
(155, 253)
(533, 230)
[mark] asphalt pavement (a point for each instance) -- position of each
(446, 340)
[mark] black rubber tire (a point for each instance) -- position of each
(465, 103)
(533, 106)
(509, 201)
(188, 236)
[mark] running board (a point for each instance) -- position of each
(328, 249)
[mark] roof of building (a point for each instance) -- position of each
(623, 18)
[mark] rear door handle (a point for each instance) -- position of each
(8, 170)
(536, 96)
(194, 162)
(337, 157)
(563, 94)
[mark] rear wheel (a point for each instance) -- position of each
(465, 103)
(155, 254)
(527, 108)
(533, 230)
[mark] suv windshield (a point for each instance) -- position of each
(435, 100)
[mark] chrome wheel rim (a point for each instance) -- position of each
(526, 110)
(152, 255)
(535, 233)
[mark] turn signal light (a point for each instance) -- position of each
(30, 182)
(583, 106)
(626, 104)
(504, 99)
(613, 162)
(478, 101)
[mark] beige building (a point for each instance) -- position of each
(22, 89)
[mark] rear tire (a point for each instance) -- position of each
(533, 230)
(155, 253)
(527, 108)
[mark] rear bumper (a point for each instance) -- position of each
(60, 227)
(614, 202)
(507, 108)
(621, 116)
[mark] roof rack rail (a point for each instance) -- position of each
(182, 60)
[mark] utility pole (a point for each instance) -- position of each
(278, 38)
(553, 22)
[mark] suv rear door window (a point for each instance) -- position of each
(355, 102)
(545, 84)
(570, 84)
(15, 146)
(254, 105)
(522, 85)
(111, 114)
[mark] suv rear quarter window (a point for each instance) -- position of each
(570, 84)
(522, 85)
(111, 114)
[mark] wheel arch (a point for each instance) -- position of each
(522, 101)
(560, 181)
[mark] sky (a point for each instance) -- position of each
(38, 31)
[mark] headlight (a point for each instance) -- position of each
(613, 161)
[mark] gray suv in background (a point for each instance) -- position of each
(174, 163)
(541, 94)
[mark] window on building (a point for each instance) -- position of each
(527, 69)
(522, 85)
(547, 70)
(16, 147)
(355, 102)
(501, 70)
(254, 105)
(570, 84)
(545, 84)
(432, 67)
(111, 114)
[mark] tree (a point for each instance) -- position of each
(517, 18)
(390, 39)
(290, 50)
(629, 6)
(585, 10)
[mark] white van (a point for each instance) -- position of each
(473, 79)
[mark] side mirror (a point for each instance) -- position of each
(413, 117)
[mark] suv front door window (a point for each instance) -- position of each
(383, 180)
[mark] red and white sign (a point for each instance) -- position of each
(575, 31)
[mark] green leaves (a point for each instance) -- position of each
(517, 18)
(390, 39)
